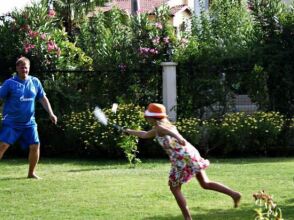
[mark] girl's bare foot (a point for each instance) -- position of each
(237, 199)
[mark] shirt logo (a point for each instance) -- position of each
(23, 99)
(32, 92)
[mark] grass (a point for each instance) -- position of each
(77, 189)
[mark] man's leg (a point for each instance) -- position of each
(34, 155)
(3, 148)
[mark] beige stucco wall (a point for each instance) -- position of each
(180, 17)
(172, 3)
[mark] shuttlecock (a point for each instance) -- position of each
(99, 114)
(114, 107)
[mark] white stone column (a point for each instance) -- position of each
(169, 89)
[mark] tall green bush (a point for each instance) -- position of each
(213, 60)
(133, 69)
(272, 51)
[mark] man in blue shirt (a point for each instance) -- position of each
(18, 119)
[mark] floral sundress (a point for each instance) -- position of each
(185, 160)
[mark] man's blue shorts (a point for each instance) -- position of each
(25, 136)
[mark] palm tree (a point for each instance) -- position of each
(73, 11)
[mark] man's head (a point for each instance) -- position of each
(23, 67)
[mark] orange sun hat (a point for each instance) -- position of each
(155, 110)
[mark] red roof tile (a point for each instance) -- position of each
(145, 6)
(178, 8)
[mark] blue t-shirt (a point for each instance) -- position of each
(19, 101)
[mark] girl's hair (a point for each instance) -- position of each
(22, 60)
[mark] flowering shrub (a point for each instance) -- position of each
(154, 38)
(190, 128)
(37, 35)
(100, 140)
(134, 70)
(235, 133)
(238, 132)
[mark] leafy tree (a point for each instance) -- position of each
(212, 63)
(72, 12)
(273, 51)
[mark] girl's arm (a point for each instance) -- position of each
(141, 134)
(171, 132)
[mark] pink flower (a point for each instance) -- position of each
(158, 25)
(33, 34)
(28, 47)
(144, 50)
(122, 67)
(156, 40)
(166, 40)
(51, 13)
(51, 45)
(43, 36)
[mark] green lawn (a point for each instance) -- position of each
(75, 189)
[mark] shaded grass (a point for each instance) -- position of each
(77, 189)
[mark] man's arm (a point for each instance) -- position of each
(47, 106)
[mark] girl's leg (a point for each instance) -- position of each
(181, 201)
(205, 183)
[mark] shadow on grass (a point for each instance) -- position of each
(17, 161)
(243, 213)
(289, 201)
(72, 161)
(96, 169)
(288, 210)
(12, 178)
(251, 160)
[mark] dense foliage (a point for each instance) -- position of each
(134, 69)
(215, 58)
(272, 52)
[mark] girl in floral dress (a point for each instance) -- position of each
(185, 159)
